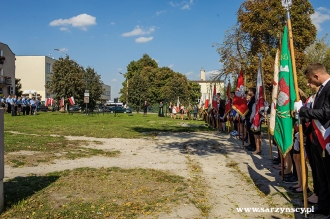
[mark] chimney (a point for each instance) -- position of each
(202, 75)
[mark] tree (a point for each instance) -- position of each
(157, 84)
(258, 31)
(18, 87)
(318, 52)
(69, 79)
(94, 85)
(137, 92)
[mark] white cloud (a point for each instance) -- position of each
(320, 16)
(189, 73)
(139, 31)
(81, 21)
(143, 39)
(64, 29)
(171, 65)
(114, 80)
(112, 23)
(160, 12)
(185, 5)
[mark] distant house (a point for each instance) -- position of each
(207, 87)
(7, 70)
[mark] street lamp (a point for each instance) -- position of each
(126, 88)
(58, 50)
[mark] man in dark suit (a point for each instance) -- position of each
(252, 145)
(319, 114)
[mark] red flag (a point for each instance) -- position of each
(71, 100)
(239, 102)
(260, 102)
(214, 100)
(62, 102)
(46, 102)
(206, 103)
(228, 102)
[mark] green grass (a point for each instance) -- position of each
(120, 193)
(87, 192)
(99, 125)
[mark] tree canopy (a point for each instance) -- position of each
(258, 31)
(147, 81)
(70, 79)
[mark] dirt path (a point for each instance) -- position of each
(235, 178)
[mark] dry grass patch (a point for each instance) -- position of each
(96, 193)
(28, 150)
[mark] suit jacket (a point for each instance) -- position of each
(321, 107)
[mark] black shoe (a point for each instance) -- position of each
(285, 174)
(318, 210)
(252, 149)
(292, 179)
(276, 161)
(248, 146)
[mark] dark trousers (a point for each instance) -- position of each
(9, 108)
(322, 165)
(13, 110)
(311, 161)
(27, 110)
(251, 133)
(33, 109)
(24, 110)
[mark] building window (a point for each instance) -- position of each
(1, 52)
(47, 68)
(1, 71)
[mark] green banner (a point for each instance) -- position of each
(284, 120)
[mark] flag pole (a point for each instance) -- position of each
(287, 4)
(265, 112)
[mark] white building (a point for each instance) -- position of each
(106, 96)
(34, 72)
(207, 87)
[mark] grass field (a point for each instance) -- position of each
(89, 192)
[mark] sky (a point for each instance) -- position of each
(107, 34)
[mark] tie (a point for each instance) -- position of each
(319, 91)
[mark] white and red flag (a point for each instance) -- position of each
(49, 102)
(206, 105)
(71, 100)
(274, 94)
(214, 100)
(323, 135)
(62, 102)
(239, 102)
(259, 104)
(228, 102)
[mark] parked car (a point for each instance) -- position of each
(75, 108)
(128, 110)
(118, 109)
(43, 108)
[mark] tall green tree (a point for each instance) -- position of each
(137, 92)
(157, 84)
(258, 30)
(18, 87)
(94, 86)
(69, 79)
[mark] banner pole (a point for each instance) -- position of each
(301, 138)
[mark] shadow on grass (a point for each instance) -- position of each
(188, 128)
(20, 188)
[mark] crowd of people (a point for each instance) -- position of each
(314, 115)
(20, 105)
